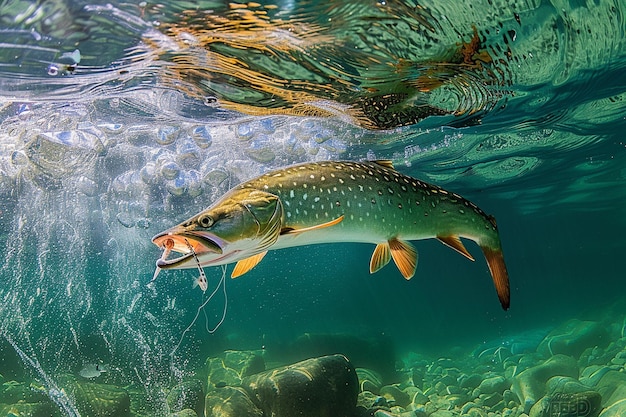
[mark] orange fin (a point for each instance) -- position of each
(380, 257)
(308, 229)
(455, 243)
(500, 276)
(387, 163)
(247, 264)
(405, 257)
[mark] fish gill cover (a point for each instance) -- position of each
(118, 121)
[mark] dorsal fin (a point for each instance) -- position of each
(387, 163)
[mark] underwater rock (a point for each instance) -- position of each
(419, 398)
(456, 400)
(490, 400)
(246, 363)
(371, 353)
(98, 400)
(530, 385)
(617, 395)
(221, 377)
(186, 395)
(318, 387)
(528, 361)
(417, 376)
(585, 404)
(612, 386)
(187, 412)
(493, 384)
(230, 402)
(470, 381)
(443, 413)
(565, 385)
(232, 366)
(592, 374)
(510, 399)
(27, 410)
(13, 391)
(598, 356)
(367, 400)
(369, 380)
(617, 409)
(413, 413)
(395, 396)
(573, 337)
(476, 412)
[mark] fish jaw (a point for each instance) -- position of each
(177, 239)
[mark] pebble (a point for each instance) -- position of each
(493, 384)
(470, 381)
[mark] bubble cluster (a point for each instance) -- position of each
(149, 166)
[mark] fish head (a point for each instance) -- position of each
(243, 223)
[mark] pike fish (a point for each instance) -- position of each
(333, 201)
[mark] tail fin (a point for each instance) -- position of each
(500, 276)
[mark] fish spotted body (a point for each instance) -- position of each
(333, 201)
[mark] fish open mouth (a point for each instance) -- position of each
(189, 244)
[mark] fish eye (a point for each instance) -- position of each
(205, 220)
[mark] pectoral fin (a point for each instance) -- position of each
(405, 257)
(380, 257)
(455, 243)
(291, 231)
(247, 264)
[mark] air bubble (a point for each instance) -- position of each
(244, 131)
(202, 136)
(216, 176)
(167, 135)
(170, 170)
(125, 219)
(143, 223)
(19, 158)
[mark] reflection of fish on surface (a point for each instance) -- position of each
(333, 201)
(257, 61)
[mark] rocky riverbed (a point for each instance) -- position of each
(575, 370)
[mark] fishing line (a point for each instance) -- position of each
(222, 284)
(202, 277)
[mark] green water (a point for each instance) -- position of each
(152, 120)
